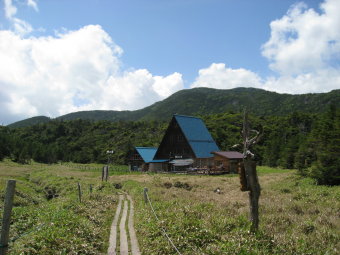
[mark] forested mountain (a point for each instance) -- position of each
(205, 101)
(30, 122)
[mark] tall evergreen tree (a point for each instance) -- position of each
(326, 136)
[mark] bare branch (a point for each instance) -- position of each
(249, 153)
(236, 146)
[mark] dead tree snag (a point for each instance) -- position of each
(252, 182)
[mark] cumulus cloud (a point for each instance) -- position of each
(72, 71)
(220, 77)
(303, 50)
(313, 82)
(303, 47)
(303, 40)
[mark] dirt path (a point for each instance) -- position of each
(124, 239)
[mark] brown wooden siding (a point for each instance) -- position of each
(174, 144)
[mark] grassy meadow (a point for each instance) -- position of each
(296, 217)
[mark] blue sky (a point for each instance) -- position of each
(166, 36)
(127, 54)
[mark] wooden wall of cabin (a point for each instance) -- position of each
(159, 167)
(221, 163)
(234, 165)
(205, 163)
(174, 144)
(225, 164)
(138, 165)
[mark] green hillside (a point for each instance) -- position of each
(97, 115)
(30, 122)
(205, 101)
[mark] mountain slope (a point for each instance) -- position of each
(203, 101)
(30, 122)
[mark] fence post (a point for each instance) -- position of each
(79, 192)
(6, 219)
(145, 195)
(106, 172)
(103, 173)
(90, 188)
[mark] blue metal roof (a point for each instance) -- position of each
(147, 153)
(197, 135)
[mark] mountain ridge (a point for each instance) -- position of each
(205, 101)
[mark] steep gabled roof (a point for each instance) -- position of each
(147, 153)
(197, 135)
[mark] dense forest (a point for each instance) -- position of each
(309, 142)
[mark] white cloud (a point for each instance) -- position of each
(10, 9)
(139, 88)
(304, 50)
(220, 77)
(33, 4)
(303, 47)
(316, 82)
(21, 27)
(165, 86)
(72, 71)
(303, 40)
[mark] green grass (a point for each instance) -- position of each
(47, 216)
(296, 216)
(271, 170)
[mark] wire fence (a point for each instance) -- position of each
(163, 230)
(37, 228)
(9, 242)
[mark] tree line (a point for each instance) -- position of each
(305, 141)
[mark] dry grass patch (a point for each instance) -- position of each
(296, 217)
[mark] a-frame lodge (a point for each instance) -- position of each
(187, 145)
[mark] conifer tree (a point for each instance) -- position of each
(326, 136)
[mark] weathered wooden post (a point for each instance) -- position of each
(79, 192)
(6, 218)
(252, 182)
(145, 195)
(103, 173)
(106, 172)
